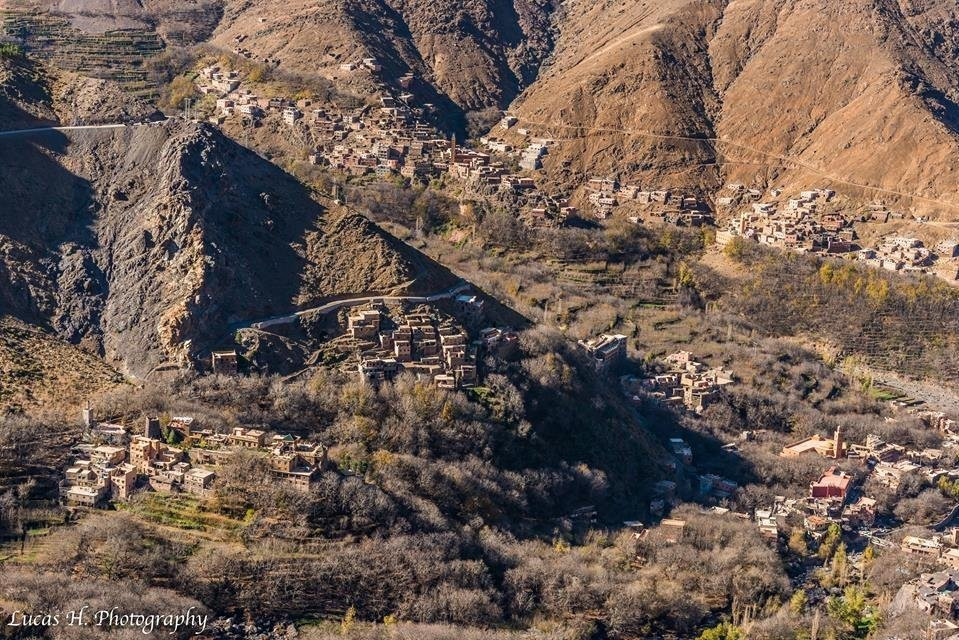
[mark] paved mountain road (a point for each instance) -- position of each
(349, 302)
(78, 127)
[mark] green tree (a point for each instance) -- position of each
(723, 631)
(853, 613)
(798, 543)
(180, 89)
(686, 278)
(10, 50)
(840, 566)
(348, 621)
(798, 602)
(868, 558)
(830, 541)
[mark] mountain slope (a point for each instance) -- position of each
(156, 238)
(639, 67)
(33, 94)
(467, 55)
(799, 91)
(860, 94)
(37, 369)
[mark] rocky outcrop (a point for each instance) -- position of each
(149, 242)
(466, 55)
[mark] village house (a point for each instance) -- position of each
(224, 362)
(199, 481)
(876, 449)
(831, 448)
(689, 383)
(768, 525)
(891, 474)
(925, 547)
(293, 469)
(718, 487)
(682, 450)
(671, 529)
(247, 438)
(605, 351)
(934, 593)
(833, 484)
(861, 513)
(291, 115)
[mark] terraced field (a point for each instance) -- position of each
(117, 55)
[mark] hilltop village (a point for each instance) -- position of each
(420, 342)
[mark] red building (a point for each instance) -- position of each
(833, 484)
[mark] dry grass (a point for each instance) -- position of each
(38, 369)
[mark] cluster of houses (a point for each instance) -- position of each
(388, 140)
(829, 499)
(803, 224)
(834, 497)
(663, 205)
(685, 383)
(898, 253)
(419, 341)
(936, 594)
(112, 462)
(218, 81)
(528, 155)
(392, 138)
(365, 63)
(234, 99)
(486, 174)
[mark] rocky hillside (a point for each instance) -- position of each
(33, 94)
(466, 55)
(177, 22)
(26, 97)
(799, 92)
(37, 369)
(157, 238)
(859, 94)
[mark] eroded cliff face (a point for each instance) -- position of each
(147, 243)
(467, 55)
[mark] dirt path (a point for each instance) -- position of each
(584, 131)
(936, 396)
